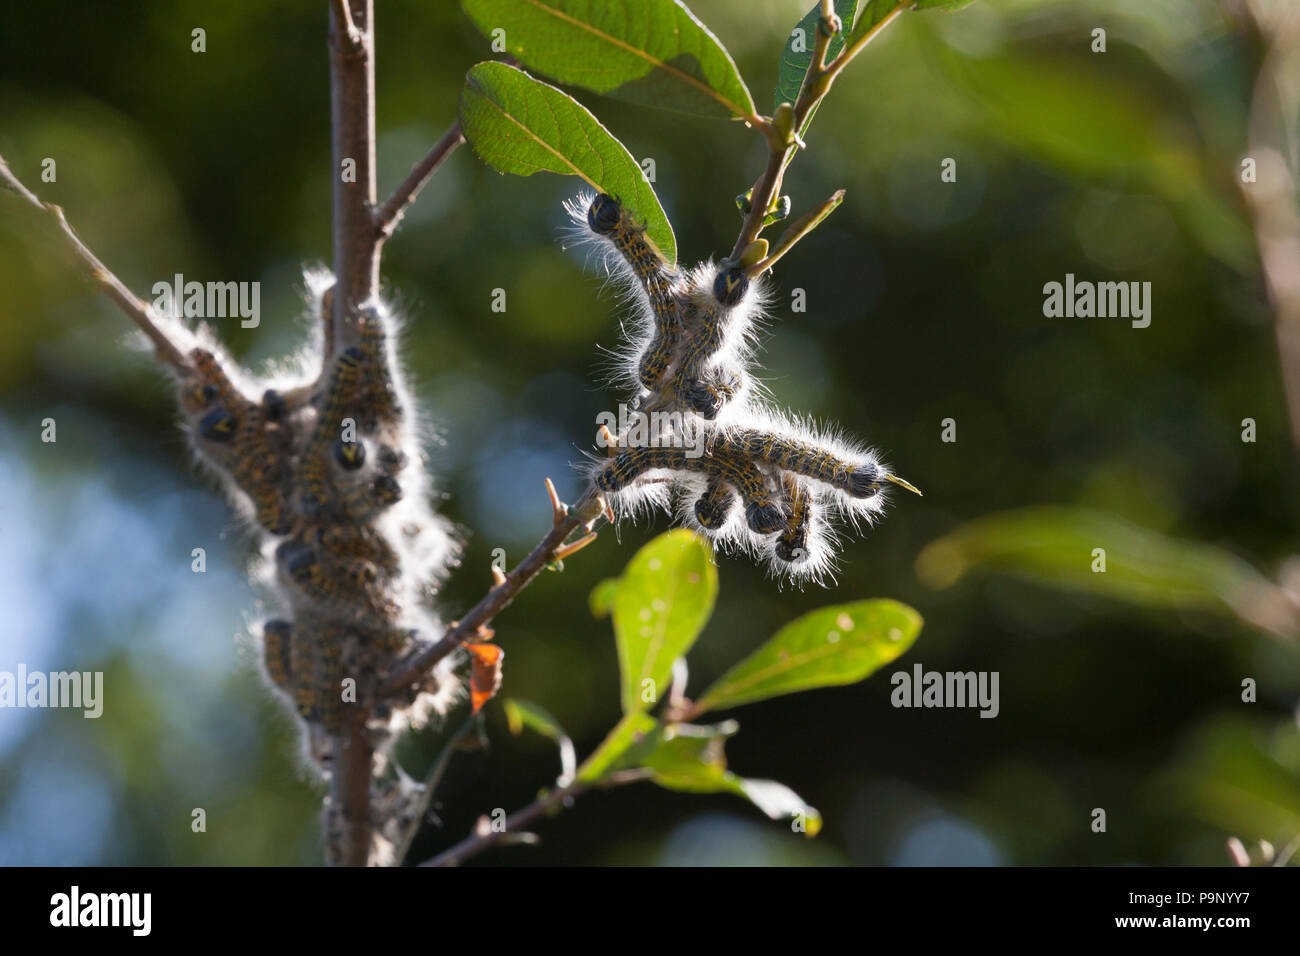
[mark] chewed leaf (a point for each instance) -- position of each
(520, 125)
(652, 52)
(833, 645)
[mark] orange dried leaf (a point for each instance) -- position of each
(485, 672)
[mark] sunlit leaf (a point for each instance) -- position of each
(629, 732)
(664, 599)
(827, 647)
(652, 52)
(1062, 546)
(520, 125)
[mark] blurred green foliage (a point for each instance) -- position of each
(923, 303)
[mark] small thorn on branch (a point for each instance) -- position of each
(498, 577)
(574, 547)
(559, 510)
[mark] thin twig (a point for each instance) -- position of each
(781, 148)
(390, 213)
(585, 512)
(347, 34)
(136, 309)
(484, 838)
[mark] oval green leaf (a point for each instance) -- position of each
(840, 644)
(651, 52)
(520, 125)
(664, 599)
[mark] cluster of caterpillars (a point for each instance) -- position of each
(716, 450)
(331, 474)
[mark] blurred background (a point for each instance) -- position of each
(924, 303)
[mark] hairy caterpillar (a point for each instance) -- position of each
(234, 433)
(762, 513)
(657, 281)
(691, 356)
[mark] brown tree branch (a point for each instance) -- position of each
(356, 277)
(352, 125)
(566, 519)
(139, 311)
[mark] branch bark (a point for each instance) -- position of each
(356, 277)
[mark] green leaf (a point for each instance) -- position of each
(795, 63)
(1055, 546)
(833, 645)
(664, 599)
(690, 758)
(873, 13)
(521, 125)
(941, 4)
(628, 733)
(651, 52)
(522, 713)
(601, 599)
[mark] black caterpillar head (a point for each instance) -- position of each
(603, 214)
(764, 519)
(712, 512)
(730, 285)
(864, 481)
